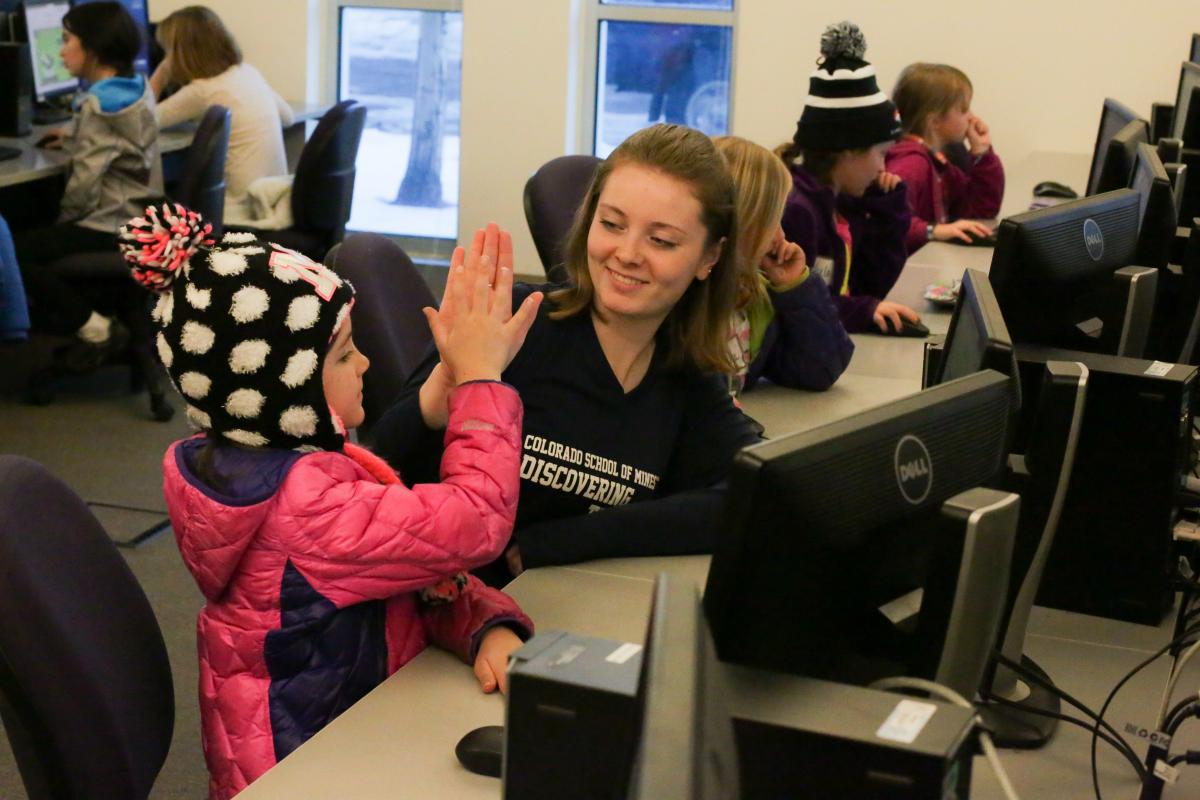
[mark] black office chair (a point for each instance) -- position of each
(201, 187)
(552, 196)
(86, 694)
(323, 187)
(389, 327)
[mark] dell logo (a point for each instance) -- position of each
(1093, 239)
(914, 469)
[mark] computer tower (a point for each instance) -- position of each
(16, 89)
(1113, 555)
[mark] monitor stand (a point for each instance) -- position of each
(49, 113)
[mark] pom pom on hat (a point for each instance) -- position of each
(843, 40)
(160, 243)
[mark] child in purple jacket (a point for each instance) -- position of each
(947, 199)
(848, 214)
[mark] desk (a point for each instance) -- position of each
(34, 164)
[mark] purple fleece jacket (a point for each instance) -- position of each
(938, 191)
(879, 223)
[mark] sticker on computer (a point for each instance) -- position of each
(906, 721)
(1158, 369)
(914, 469)
(624, 653)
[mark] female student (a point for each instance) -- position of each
(323, 574)
(202, 55)
(115, 167)
(785, 327)
(849, 215)
(628, 422)
(946, 199)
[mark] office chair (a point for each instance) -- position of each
(86, 695)
(201, 187)
(552, 196)
(389, 327)
(323, 187)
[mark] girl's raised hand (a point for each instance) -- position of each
(784, 262)
(475, 330)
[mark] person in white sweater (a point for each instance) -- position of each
(203, 57)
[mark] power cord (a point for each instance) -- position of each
(948, 694)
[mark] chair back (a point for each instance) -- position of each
(201, 187)
(552, 196)
(85, 685)
(323, 187)
(389, 327)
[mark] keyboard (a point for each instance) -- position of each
(9, 152)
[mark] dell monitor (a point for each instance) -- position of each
(1185, 124)
(686, 747)
(43, 26)
(137, 10)
(1113, 117)
(978, 337)
(1057, 273)
(1119, 156)
(830, 533)
(1194, 55)
(1156, 203)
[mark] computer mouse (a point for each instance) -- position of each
(48, 141)
(907, 328)
(987, 240)
(482, 750)
(1054, 189)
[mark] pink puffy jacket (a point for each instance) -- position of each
(310, 564)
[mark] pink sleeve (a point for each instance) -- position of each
(917, 174)
(980, 198)
(355, 539)
(459, 626)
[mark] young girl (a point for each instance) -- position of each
(849, 216)
(320, 568)
(785, 327)
(629, 427)
(947, 201)
(115, 168)
(203, 56)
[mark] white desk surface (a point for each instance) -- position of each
(399, 740)
(34, 163)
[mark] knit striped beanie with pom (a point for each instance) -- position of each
(243, 328)
(845, 110)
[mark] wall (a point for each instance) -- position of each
(1040, 69)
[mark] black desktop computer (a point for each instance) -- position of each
(16, 90)
(1113, 555)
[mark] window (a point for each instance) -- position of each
(404, 62)
(660, 61)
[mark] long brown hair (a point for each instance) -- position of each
(697, 328)
(763, 183)
(198, 44)
(928, 90)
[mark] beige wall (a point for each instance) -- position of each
(1040, 69)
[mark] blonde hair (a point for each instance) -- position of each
(928, 90)
(198, 44)
(762, 182)
(697, 328)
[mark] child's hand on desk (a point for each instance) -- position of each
(475, 330)
(960, 229)
(784, 262)
(888, 311)
(52, 139)
(491, 662)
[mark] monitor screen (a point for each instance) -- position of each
(978, 337)
(1189, 82)
(1113, 117)
(43, 25)
(1052, 270)
(137, 10)
(827, 531)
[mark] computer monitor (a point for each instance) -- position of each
(1053, 272)
(1120, 155)
(686, 746)
(43, 26)
(1113, 117)
(137, 10)
(1185, 124)
(1157, 208)
(828, 533)
(1194, 55)
(978, 337)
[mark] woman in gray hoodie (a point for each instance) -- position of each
(115, 168)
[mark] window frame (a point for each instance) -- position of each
(597, 11)
(423, 250)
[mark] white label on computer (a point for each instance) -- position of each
(624, 653)
(1158, 369)
(906, 721)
